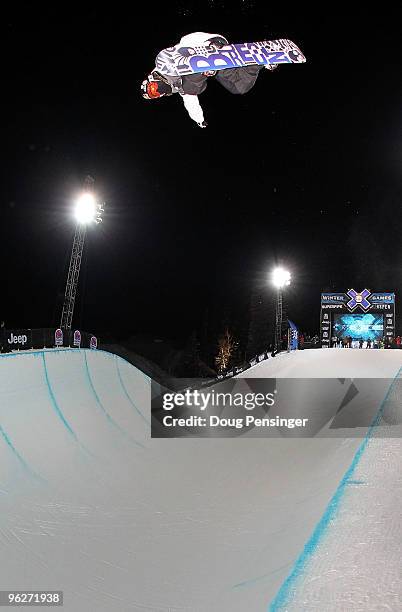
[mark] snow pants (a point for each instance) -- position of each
(238, 80)
(235, 80)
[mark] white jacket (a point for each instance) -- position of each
(193, 107)
(191, 102)
(197, 39)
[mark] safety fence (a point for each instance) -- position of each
(245, 366)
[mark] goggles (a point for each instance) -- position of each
(155, 87)
(150, 89)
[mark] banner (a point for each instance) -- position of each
(58, 337)
(45, 337)
(357, 315)
(325, 327)
(17, 339)
(354, 300)
(93, 343)
(293, 336)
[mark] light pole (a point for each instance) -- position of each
(87, 211)
(280, 279)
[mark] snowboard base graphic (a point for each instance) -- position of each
(178, 61)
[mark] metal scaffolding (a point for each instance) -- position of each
(278, 319)
(76, 257)
(73, 276)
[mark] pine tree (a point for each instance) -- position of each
(227, 347)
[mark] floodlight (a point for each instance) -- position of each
(86, 209)
(281, 278)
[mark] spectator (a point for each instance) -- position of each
(398, 342)
(349, 341)
(301, 341)
(368, 344)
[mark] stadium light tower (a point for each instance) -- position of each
(87, 211)
(280, 279)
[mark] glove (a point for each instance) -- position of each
(203, 124)
(271, 66)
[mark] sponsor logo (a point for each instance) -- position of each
(358, 299)
(334, 297)
(383, 297)
(238, 55)
(58, 337)
(23, 339)
(77, 338)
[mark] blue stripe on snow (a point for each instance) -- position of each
(287, 590)
(105, 412)
(12, 447)
(128, 396)
(54, 401)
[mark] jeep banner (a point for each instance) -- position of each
(17, 339)
(23, 339)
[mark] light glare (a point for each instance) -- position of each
(85, 210)
(281, 277)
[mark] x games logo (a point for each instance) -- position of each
(358, 299)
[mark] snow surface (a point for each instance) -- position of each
(330, 363)
(91, 505)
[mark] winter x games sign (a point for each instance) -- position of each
(357, 314)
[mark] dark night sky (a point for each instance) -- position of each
(303, 170)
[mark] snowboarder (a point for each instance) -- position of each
(235, 80)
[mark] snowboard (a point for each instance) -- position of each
(178, 60)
